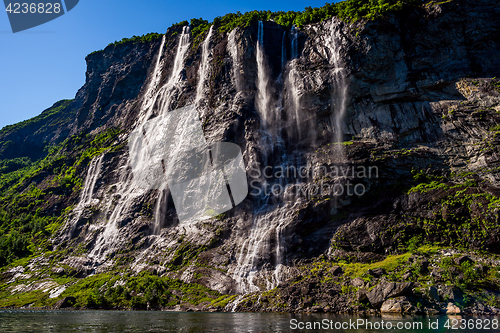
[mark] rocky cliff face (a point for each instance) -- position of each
(384, 132)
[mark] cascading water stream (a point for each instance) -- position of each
(126, 190)
(269, 220)
(202, 78)
(263, 95)
(150, 96)
(339, 95)
(294, 42)
(90, 181)
(232, 48)
(204, 65)
(167, 93)
(86, 198)
(283, 50)
(301, 125)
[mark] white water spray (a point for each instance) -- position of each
(339, 94)
(126, 192)
(295, 42)
(263, 95)
(204, 65)
(149, 97)
(232, 48)
(283, 50)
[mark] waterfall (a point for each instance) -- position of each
(263, 95)
(294, 43)
(86, 198)
(119, 210)
(168, 92)
(231, 306)
(283, 50)
(294, 86)
(256, 245)
(256, 256)
(232, 48)
(301, 126)
(204, 65)
(160, 208)
(150, 95)
(339, 94)
(90, 180)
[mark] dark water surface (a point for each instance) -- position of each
(151, 321)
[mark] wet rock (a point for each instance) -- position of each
(436, 273)
(308, 302)
(452, 309)
(358, 282)
(385, 290)
(316, 309)
(336, 271)
(450, 293)
(66, 302)
(482, 269)
(57, 270)
(424, 266)
(433, 293)
(396, 305)
(377, 272)
(361, 296)
(431, 311)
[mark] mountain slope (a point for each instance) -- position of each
(384, 132)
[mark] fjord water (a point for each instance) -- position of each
(155, 321)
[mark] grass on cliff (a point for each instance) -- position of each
(134, 40)
(58, 111)
(107, 291)
(348, 10)
(28, 216)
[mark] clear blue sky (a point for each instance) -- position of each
(47, 63)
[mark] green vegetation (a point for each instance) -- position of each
(389, 264)
(58, 112)
(134, 40)
(223, 301)
(124, 291)
(495, 84)
(27, 216)
(348, 10)
(461, 212)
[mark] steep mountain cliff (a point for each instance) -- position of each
(371, 157)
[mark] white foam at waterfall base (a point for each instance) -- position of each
(126, 190)
(255, 251)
